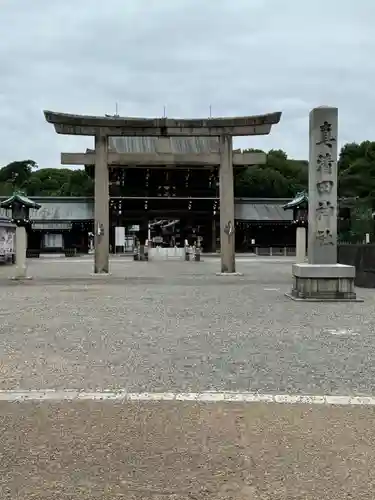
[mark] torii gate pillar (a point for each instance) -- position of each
(101, 214)
(227, 230)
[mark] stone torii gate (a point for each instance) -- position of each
(103, 127)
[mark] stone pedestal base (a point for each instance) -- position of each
(323, 282)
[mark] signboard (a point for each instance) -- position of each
(6, 241)
(119, 236)
(134, 228)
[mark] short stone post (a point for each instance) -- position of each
(21, 246)
(300, 245)
(322, 278)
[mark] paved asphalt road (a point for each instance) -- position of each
(173, 326)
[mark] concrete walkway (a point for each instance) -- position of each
(154, 451)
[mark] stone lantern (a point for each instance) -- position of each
(20, 206)
(299, 205)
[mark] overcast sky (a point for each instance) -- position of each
(242, 57)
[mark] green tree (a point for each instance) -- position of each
(80, 184)
(48, 182)
(356, 168)
(351, 152)
(295, 171)
(17, 172)
(262, 182)
(279, 177)
(6, 188)
(59, 182)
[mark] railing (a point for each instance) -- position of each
(275, 251)
(166, 253)
(362, 257)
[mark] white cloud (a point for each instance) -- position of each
(240, 56)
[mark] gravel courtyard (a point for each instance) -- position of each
(176, 326)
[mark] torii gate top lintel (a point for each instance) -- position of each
(70, 124)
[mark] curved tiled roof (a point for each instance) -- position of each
(298, 200)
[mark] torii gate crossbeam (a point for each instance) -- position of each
(131, 160)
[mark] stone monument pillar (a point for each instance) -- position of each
(323, 186)
(228, 264)
(322, 279)
(101, 205)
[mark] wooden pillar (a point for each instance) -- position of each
(143, 230)
(213, 233)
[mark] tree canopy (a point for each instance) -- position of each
(44, 181)
(279, 177)
(282, 177)
(356, 167)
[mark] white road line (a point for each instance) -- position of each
(254, 260)
(342, 332)
(126, 260)
(204, 397)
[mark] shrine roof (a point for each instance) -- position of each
(299, 199)
(21, 198)
(265, 212)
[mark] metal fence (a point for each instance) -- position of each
(275, 251)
